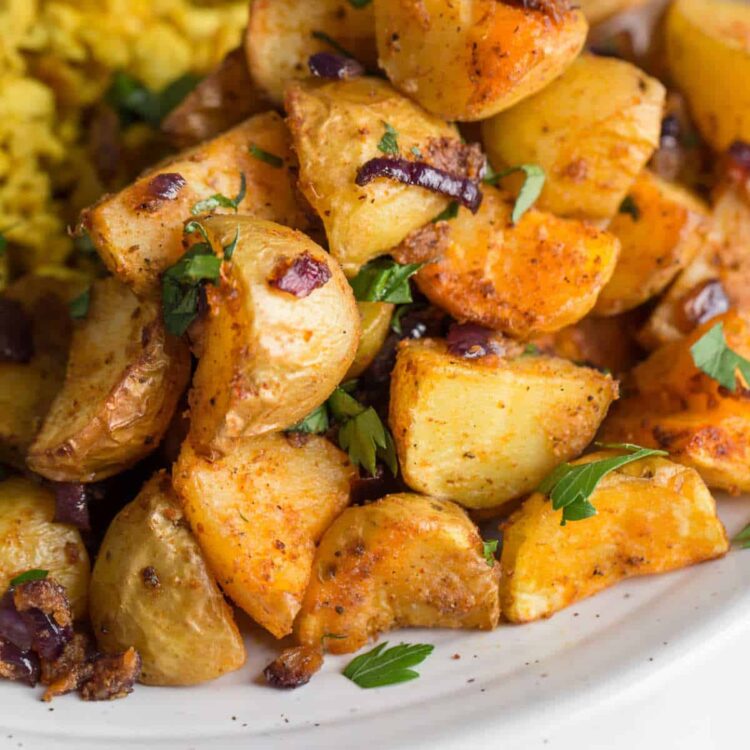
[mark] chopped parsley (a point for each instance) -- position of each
(743, 538)
(381, 667)
(218, 200)
(79, 307)
(416, 152)
(315, 423)
(359, 3)
(530, 191)
(449, 213)
(384, 280)
(30, 575)
(712, 355)
(629, 206)
(488, 550)
(388, 144)
(3, 244)
(229, 249)
(531, 350)
(266, 156)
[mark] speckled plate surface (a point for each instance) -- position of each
(473, 683)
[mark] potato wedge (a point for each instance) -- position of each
(139, 231)
(403, 561)
(708, 53)
(225, 97)
(484, 431)
(507, 277)
(30, 540)
(151, 589)
(362, 222)
(280, 38)
(597, 11)
(653, 516)
(124, 378)
(468, 60)
(592, 130)
(258, 513)
(269, 357)
(376, 322)
(661, 228)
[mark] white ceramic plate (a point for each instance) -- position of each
(505, 680)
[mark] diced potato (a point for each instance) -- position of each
(362, 222)
(599, 10)
(507, 277)
(124, 377)
(484, 431)
(592, 130)
(653, 516)
(139, 231)
(281, 38)
(376, 322)
(674, 406)
(403, 561)
(258, 513)
(469, 59)
(663, 230)
(269, 357)
(31, 540)
(151, 589)
(708, 53)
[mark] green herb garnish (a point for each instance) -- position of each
(530, 190)
(79, 307)
(629, 206)
(196, 226)
(488, 550)
(742, 540)
(3, 244)
(531, 350)
(229, 249)
(379, 667)
(321, 36)
(389, 142)
(266, 156)
(449, 213)
(359, 3)
(30, 575)
(315, 423)
(401, 310)
(712, 355)
(217, 200)
(570, 487)
(384, 280)
(416, 152)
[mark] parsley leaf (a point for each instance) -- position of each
(359, 3)
(449, 213)
(379, 667)
(30, 575)
(712, 355)
(266, 156)
(570, 487)
(388, 143)
(315, 423)
(212, 203)
(416, 152)
(530, 190)
(384, 280)
(401, 310)
(629, 206)
(743, 538)
(79, 307)
(3, 244)
(321, 36)
(531, 350)
(488, 550)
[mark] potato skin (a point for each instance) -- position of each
(600, 10)
(258, 513)
(30, 539)
(151, 589)
(403, 561)
(708, 54)
(470, 59)
(360, 222)
(139, 235)
(670, 229)
(482, 432)
(279, 39)
(268, 357)
(376, 322)
(507, 277)
(592, 130)
(653, 516)
(124, 378)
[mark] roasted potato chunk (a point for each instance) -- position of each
(282, 331)
(487, 270)
(661, 228)
(376, 322)
(653, 516)
(258, 513)
(403, 561)
(708, 54)
(124, 377)
(673, 405)
(592, 130)
(139, 231)
(600, 10)
(283, 34)
(362, 222)
(151, 589)
(468, 60)
(484, 431)
(30, 540)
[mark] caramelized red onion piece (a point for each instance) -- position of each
(16, 333)
(338, 67)
(13, 628)
(22, 665)
(167, 185)
(301, 276)
(72, 505)
(470, 341)
(739, 160)
(420, 174)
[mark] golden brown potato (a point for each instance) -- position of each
(258, 513)
(599, 10)
(708, 53)
(362, 222)
(486, 270)
(151, 589)
(225, 97)
(280, 38)
(31, 540)
(124, 377)
(674, 406)
(653, 516)
(139, 231)
(662, 230)
(403, 561)
(376, 322)
(28, 389)
(469, 59)
(592, 130)
(484, 431)
(269, 355)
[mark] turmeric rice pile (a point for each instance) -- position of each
(57, 59)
